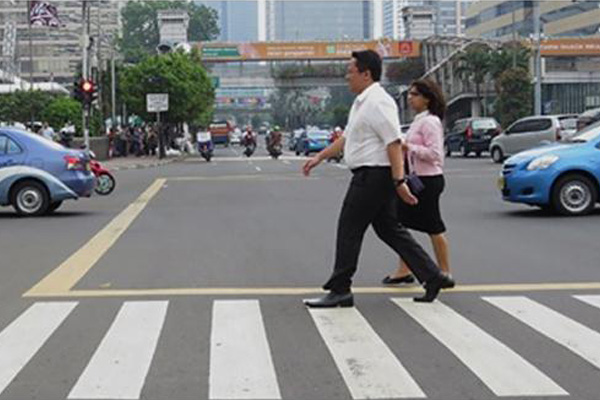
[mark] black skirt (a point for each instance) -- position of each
(425, 216)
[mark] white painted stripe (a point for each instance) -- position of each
(240, 358)
(576, 337)
(591, 300)
(119, 366)
(369, 368)
(258, 169)
(341, 166)
(286, 162)
(501, 369)
(27, 334)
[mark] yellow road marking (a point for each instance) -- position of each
(290, 291)
(66, 275)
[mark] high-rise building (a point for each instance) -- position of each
(504, 20)
(56, 51)
(238, 19)
(419, 22)
(448, 16)
(323, 20)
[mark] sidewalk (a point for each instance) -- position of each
(132, 162)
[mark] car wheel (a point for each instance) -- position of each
(30, 198)
(53, 207)
(447, 150)
(574, 195)
(478, 154)
(497, 155)
(464, 150)
(306, 153)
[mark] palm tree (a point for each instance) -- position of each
(474, 66)
(510, 55)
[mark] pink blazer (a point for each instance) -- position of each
(425, 139)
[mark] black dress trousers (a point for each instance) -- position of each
(372, 200)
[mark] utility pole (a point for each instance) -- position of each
(514, 37)
(113, 88)
(85, 30)
(29, 4)
(537, 37)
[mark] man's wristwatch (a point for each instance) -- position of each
(398, 182)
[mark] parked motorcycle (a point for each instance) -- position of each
(105, 181)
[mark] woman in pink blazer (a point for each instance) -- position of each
(424, 149)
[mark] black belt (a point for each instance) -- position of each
(370, 168)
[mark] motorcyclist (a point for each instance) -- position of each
(274, 139)
(336, 134)
(249, 140)
(204, 138)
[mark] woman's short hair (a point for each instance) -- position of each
(432, 92)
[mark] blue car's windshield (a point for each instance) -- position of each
(588, 133)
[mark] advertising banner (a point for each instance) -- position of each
(305, 50)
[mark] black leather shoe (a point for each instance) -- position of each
(331, 300)
(396, 281)
(432, 289)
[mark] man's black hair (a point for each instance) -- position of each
(368, 60)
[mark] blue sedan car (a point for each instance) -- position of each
(312, 141)
(564, 177)
(36, 175)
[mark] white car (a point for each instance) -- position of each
(236, 137)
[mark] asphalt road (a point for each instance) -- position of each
(191, 287)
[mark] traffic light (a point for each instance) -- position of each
(89, 92)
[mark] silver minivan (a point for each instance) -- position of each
(527, 133)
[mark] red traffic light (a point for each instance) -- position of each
(87, 86)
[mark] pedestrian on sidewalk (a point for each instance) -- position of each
(373, 152)
(424, 149)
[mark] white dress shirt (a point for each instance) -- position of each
(373, 124)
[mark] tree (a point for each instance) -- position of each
(140, 26)
(61, 111)
(515, 95)
(404, 72)
(23, 105)
(294, 107)
(510, 55)
(191, 94)
(474, 66)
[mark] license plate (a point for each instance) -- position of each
(501, 183)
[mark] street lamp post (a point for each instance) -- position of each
(537, 58)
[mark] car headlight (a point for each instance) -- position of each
(542, 162)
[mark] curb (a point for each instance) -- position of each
(142, 165)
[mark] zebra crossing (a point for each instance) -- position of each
(241, 360)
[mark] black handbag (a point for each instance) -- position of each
(414, 183)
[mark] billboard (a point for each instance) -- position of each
(570, 47)
(304, 50)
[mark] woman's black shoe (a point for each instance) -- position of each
(396, 281)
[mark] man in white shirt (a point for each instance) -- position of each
(373, 152)
(48, 132)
